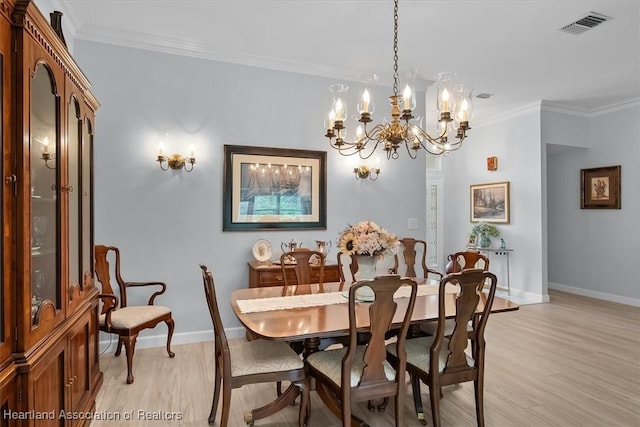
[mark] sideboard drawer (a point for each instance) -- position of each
(271, 275)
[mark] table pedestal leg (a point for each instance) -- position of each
(311, 345)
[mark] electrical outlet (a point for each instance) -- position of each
(413, 224)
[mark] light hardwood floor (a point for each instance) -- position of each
(572, 362)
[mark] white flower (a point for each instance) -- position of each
(367, 238)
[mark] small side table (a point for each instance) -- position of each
(502, 253)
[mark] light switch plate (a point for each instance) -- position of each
(413, 224)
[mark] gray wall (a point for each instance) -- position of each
(515, 140)
(594, 252)
(166, 223)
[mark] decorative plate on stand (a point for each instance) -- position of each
(262, 250)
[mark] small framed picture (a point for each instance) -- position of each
(471, 241)
(600, 188)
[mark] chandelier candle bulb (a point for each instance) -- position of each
(407, 98)
(366, 98)
(445, 101)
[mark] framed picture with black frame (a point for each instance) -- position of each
(600, 188)
(274, 188)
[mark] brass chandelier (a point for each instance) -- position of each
(454, 112)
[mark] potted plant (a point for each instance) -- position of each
(485, 231)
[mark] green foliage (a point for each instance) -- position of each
(483, 228)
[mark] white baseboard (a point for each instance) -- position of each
(522, 297)
(595, 294)
(108, 341)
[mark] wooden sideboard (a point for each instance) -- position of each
(270, 274)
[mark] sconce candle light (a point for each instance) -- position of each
(46, 156)
(176, 161)
(364, 171)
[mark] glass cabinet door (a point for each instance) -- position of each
(45, 187)
(3, 298)
(87, 200)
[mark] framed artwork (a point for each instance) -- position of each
(274, 188)
(471, 241)
(490, 202)
(492, 163)
(600, 188)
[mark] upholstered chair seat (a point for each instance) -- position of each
(263, 356)
(134, 316)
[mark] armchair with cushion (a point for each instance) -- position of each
(126, 321)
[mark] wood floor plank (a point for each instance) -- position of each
(574, 361)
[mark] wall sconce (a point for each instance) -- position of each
(364, 172)
(176, 161)
(46, 156)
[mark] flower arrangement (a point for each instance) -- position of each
(367, 238)
(485, 229)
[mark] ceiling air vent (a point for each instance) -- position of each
(587, 22)
(484, 95)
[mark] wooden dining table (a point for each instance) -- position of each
(312, 323)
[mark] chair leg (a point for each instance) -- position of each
(217, 381)
(435, 403)
(119, 347)
(226, 403)
(129, 348)
(170, 325)
(417, 399)
(479, 392)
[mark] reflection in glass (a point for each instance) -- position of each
(39, 224)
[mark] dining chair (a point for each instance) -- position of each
(252, 362)
(466, 260)
(304, 259)
(441, 360)
(357, 373)
(120, 318)
(353, 267)
(412, 249)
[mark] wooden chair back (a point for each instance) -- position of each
(466, 260)
(220, 344)
(353, 267)
(457, 368)
(103, 274)
(374, 383)
(412, 249)
(304, 259)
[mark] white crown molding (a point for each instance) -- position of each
(518, 111)
(581, 112)
(202, 51)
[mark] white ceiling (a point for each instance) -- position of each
(512, 49)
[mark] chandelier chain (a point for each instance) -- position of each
(395, 48)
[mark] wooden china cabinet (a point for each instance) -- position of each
(49, 311)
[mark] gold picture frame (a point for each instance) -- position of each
(600, 188)
(490, 202)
